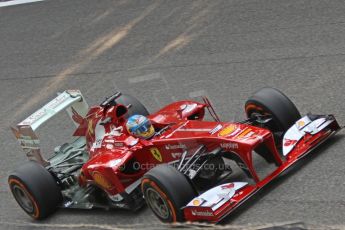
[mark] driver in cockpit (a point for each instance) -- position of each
(140, 126)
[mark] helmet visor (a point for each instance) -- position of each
(144, 127)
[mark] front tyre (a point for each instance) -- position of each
(35, 190)
(273, 103)
(166, 191)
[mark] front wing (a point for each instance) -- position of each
(218, 202)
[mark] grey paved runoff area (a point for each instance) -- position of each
(161, 51)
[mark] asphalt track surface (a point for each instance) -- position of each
(161, 51)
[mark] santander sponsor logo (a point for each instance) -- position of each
(201, 213)
(177, 146)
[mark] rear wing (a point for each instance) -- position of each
(70, 100)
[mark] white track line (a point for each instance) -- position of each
(17, 2)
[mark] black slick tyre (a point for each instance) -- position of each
(35, 190)
(166, 191)
(270, 101)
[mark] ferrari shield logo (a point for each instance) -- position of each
(156, 154)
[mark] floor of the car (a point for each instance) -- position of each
(262, 167)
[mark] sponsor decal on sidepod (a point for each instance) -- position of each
(180, 146)
(229, 145)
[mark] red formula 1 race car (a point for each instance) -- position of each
(185, 172)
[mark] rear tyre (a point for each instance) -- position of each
(270, 101)
(166, 191)
(136, 106)
(35, 190)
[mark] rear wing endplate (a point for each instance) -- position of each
(70, 100)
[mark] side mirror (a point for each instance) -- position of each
(114, 113)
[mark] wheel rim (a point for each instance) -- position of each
(23, 198)
(157, 203)
(257, 115)
(272, 125)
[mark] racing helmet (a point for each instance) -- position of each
(140, 126)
